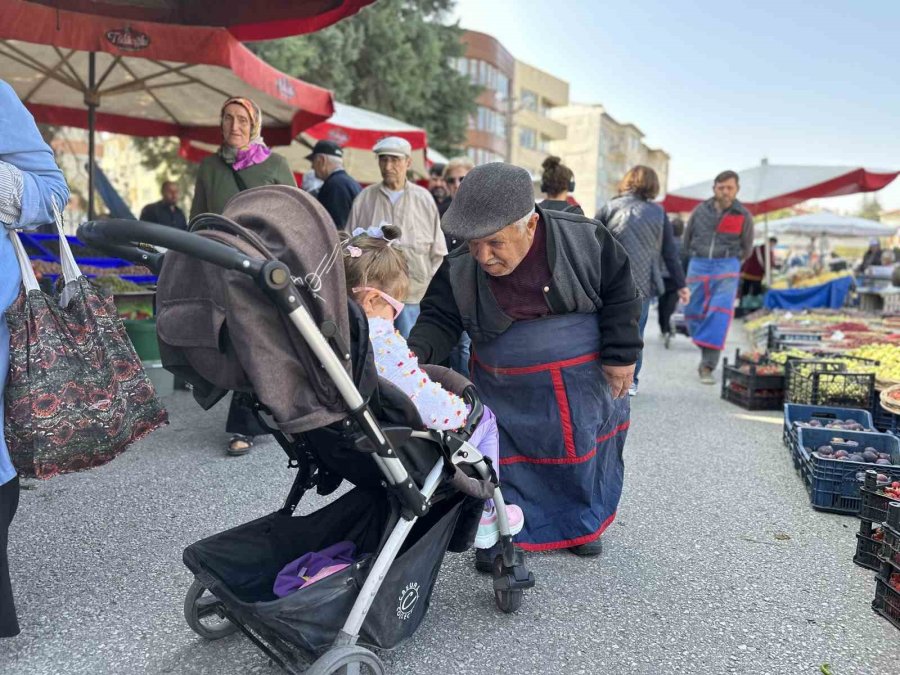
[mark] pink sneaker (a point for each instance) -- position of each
(489, 527)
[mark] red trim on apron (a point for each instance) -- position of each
(539, 368)
(517, 459)
(569, 543)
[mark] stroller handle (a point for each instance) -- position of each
(120, 235)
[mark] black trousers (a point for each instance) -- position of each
(9, 502)
(668, 301)
(241, 418)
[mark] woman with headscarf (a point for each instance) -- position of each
(243, 161)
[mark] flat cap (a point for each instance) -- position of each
(491, 197)
(393, 145)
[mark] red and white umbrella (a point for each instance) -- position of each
(769, 187)
(356, 130)
(246, 19)
(144, 79)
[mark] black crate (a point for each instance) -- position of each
(868, 546)
(873, 507)
(821, 382)
(884, 420)
(751, 379)
(745, 391)
(889, 551)
(887, 600)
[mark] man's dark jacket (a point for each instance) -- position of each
(337, 194)
(163, 214)
(591, 274)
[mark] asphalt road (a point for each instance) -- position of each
(715, 564)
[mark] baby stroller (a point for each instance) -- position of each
(255, 301)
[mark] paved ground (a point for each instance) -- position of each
(693, 578)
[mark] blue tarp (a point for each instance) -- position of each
(114, 203)
(831, 295)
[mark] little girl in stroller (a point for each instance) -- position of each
(377, 274)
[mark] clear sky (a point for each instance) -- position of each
(723, 84)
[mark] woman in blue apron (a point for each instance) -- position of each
(549, 301)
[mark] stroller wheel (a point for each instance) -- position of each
(201, 611)
(347, 660)
(509, 600)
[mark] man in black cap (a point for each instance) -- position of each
(339, 189)
(549, 301)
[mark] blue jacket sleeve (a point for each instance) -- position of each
(22, 146)
(670, 255)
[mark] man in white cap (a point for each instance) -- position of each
(398, 201)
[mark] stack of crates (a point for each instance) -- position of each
(887, 581)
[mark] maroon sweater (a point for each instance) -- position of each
(521, 294)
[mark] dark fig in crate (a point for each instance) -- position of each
(840, 454)
(825, 450)
(883, 462)
(869, 455)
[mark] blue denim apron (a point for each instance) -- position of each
(561, 432)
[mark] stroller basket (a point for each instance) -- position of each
(240, 565)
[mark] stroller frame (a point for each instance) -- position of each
(511, 577)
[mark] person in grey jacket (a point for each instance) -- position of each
(646, 235)
(718, 236)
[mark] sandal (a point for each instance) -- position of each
(239, 445)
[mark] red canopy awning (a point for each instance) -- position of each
(150, 79)
(769, 187)
(245, 19)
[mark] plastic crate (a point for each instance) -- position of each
(779, 338)
(887, 600)
(889, 551)
(798, 412)
(752, 380)
(834, 484)
(868, 546)
(745, 391)
(874, 505)
(823, 382)
(883, 420)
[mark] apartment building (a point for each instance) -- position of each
(599, 150)
(536, 92)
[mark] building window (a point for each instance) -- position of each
(529, 100)
(483, 156)
(528, 138)
(491, 122)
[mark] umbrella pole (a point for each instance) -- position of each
(767, 251)
(91, 101)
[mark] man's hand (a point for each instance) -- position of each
(618, 378)
(684, 295)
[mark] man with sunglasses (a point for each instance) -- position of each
(454, 172)
(398, 201)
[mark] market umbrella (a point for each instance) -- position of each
(146, 79)
(245, 19)
(356, 130)
(768, 187)
(826, 223)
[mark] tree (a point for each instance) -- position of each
(870, 208)
(393, 57)
(160, 154)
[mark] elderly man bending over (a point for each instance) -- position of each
(550, 304)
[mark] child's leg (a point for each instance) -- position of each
(486, 438)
